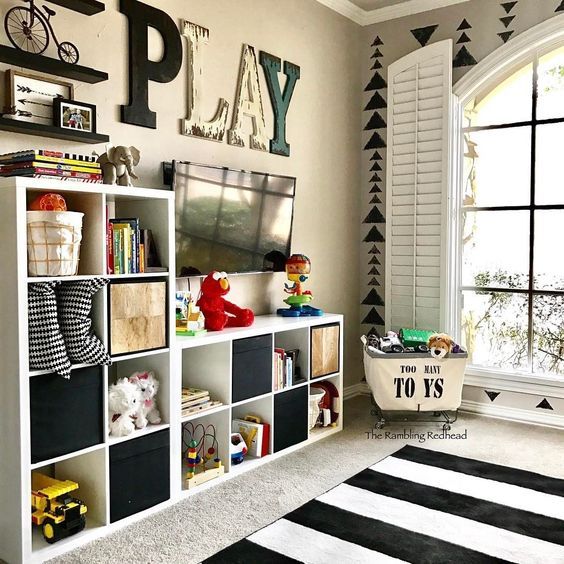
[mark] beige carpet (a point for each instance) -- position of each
(205, 523)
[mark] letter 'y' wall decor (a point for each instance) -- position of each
(248, 103)
(194, 125)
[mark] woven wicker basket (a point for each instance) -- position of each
(53, 242)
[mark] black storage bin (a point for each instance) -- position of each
(66, 415)
(252, 367)
(290, 418)
(139, 474)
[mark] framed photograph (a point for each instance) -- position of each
(31, 97)
(70, 114)
(138, 314)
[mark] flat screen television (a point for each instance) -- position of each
(231, 220)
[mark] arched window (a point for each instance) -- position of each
(510, 209)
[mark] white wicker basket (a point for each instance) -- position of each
(53, 242)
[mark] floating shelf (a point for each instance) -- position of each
(48, 65)
(30, 128)
(87, 7)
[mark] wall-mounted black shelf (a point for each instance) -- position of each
(87, 7)
(48, 65)
(30, 128)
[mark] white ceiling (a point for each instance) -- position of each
(375, 4)
(367, 12)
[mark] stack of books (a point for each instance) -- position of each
(38, 163)
(286, 370)
(195, 400)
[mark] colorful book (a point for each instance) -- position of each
(51, 166)
(34, 154)
(52, 173)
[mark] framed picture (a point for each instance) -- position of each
(70, 114)
(31, 97)
(138, 314)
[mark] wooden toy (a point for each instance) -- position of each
(53, 509)
(201, 454)
(298, 268)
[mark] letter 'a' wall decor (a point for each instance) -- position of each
(141, 69)
(248, 103)
(194, 125)
(280, 101)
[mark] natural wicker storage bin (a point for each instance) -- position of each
(53, 242)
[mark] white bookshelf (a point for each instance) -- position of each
(204, 362)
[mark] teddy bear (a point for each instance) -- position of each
(220, 313)
(440, 345)
(147, 411)
(123, 402)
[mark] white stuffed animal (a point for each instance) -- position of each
(123, 402)
(147, 411)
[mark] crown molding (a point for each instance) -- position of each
(368, 17)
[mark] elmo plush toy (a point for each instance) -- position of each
(220, 313)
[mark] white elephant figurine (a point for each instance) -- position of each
(118, 164)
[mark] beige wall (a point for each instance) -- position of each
(323, 126)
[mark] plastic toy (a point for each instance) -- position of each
(147, 411)
(218, 312)
(118, 164)
(190, 321)
(391, 343)
(124, 399)
(201, 454)
(415, 337)
(238, 448)
(298, 268)
(53, 509)
(49, 202)
(440, 344)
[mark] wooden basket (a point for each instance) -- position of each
(53, 242)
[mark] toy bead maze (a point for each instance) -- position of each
(200, 453)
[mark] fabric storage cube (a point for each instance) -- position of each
(415, 382)
(290, 418)
(139, 474)
(252, 367)
(66, 415)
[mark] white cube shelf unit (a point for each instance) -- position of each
(210, 361)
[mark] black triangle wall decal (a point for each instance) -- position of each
(376, 54)
(373, 299)
(464, 58)
(375, 261)
(492, 395)
(374, 272)
(377, 42)
(374, 282)
(545, 405)
(506, 35)
(374, 250)
(375, 189)
(372, 331)
(464, 25)
(375, 142)
(375, 122)
(376, 156)
(561, 7)
(374, 236)
(375, 216)
(423, 34)
(508, 6)
(377, 65)
(373, 318)
(375, 200)
(376, 167)
(463, 39)
(376, 102)
(375, 178)
(377, 83)
(506, 20)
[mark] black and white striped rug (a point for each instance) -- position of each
(419, 506)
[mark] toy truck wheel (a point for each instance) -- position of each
(80, 526)
(51, 531)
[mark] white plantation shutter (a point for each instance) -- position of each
(417, 173)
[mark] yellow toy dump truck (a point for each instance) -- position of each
(53, 509)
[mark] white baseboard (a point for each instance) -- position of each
(546, 419)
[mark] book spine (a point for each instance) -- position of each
(141, 257)
(117, 263)
(69, 173)
(122, 263)
(46, 165)
(109, 243)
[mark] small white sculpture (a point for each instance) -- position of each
(118, 164)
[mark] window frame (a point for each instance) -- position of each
(508, 59)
